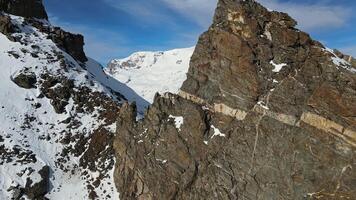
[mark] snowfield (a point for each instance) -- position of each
(150, 72)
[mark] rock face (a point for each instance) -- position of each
(72, 43)
(265, 113)
(24, 8)
(6, 26)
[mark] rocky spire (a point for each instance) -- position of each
(239, 46)
(24, 8)
(265, 113)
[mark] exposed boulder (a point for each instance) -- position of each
(39, 189)
(33, 191)
(25, 80)
(265, 113)
(24, 8)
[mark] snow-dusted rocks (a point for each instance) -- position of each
(150, 72)
(178, 121)
(57, 117)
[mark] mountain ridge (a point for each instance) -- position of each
(150, 72)
(264, 112)
(58, 111)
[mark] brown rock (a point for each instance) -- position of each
(73, 44)
(25, 80)
(6, 27)
(246, 130)
(335, 103)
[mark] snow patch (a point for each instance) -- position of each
(268, 35)
(339, 61)
(217, 132)
(277, 67)
(178, 121)
(162, 161)
(262, 104)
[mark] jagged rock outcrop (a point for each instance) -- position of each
(24, 8)
(265, 113)
(33, 10)
(72, 43)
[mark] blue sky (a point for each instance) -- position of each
(117, 28)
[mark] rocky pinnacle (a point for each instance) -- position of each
(266, 112)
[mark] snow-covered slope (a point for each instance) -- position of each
(150, 72)
(49, 152)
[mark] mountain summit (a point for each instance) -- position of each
(266, 112)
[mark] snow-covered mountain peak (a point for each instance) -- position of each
(150, 72)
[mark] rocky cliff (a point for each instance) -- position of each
(24, 8)
(265, 113)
